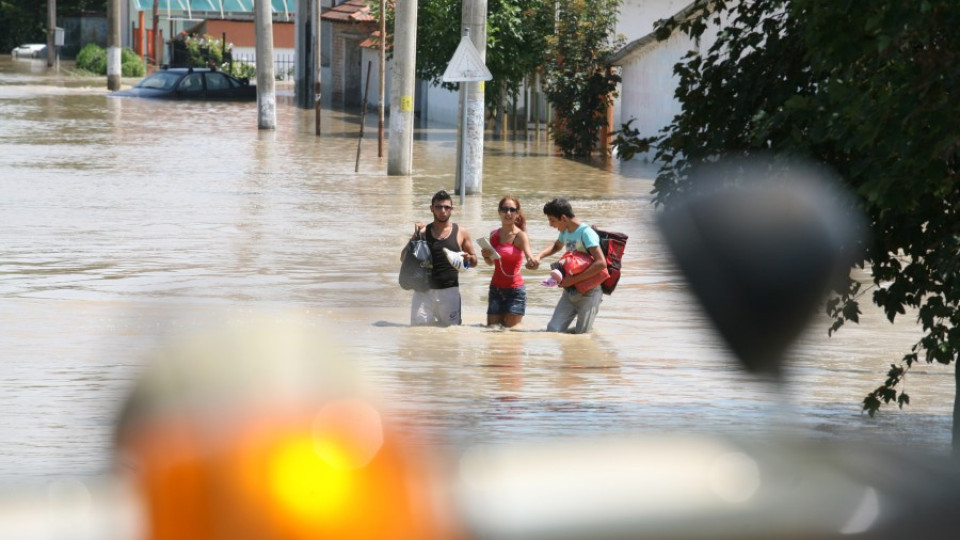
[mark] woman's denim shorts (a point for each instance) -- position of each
(507, 301)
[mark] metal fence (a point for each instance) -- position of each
(283, 64)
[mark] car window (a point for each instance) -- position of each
(191, 83)
(160, 80)
(217, 81)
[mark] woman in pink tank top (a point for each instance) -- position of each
(507, 301)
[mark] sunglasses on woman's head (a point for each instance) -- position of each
(508, 210)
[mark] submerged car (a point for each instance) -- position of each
(30, 50)
(191, 83)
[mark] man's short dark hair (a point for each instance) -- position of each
(558, 208)
(440, 196)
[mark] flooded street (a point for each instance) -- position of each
(124, 220)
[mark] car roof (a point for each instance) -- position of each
(186, 70)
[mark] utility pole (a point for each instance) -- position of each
(400, 151)
(266, 96)
(470, 168)
(316, 21)
(113, 44)
(51, 32)
(383, 75)
(303, 78)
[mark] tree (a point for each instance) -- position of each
(516, 30)
(869, 88)
(25, 21)
(579, 83)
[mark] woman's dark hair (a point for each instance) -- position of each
(521, 221)
(558, 208)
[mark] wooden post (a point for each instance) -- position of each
(142, 42)
(383, 76)
(158, 37)
(266, 96)
(363, 115)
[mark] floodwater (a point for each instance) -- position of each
(124, 220)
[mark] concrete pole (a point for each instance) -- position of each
(400, 150)
(317, 62)
(383, 76)
(303, 76)
(51, 32)
(474, 19)
(266, 96)
(113, 44)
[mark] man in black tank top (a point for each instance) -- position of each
(441, 306)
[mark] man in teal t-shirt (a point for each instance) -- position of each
(574, 236)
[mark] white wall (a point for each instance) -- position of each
(648, 83)
(646, 92)
(442, 106)
(637, 16)
(373, 99)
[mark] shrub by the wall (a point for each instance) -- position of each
(93, 58)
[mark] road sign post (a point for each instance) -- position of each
(466, 66)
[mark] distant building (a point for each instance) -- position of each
(353, 29)
(176, 16)
(646, 64)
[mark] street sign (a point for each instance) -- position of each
(466, 64)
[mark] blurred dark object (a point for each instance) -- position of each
(760, 243)
(698, 487)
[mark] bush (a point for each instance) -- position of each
(240, 70)
(130, 64)
(93, 58)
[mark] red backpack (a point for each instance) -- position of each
(612, 245)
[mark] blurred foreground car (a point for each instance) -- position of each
(191, 83)
(29, 50)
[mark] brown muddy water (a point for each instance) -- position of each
(124, 220)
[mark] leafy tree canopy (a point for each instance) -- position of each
(516, 30)
(869, 88)
(567, 40)
(25, 21)
(579, 83)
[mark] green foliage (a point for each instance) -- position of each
(20, 22)
(240, 70)
(578, 81)
(869, 88)
(130, 64)
(92, 58)
(202, 51)
(516, 31)
(25, 21)
(628, 143)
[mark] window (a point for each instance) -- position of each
(161, 80)
(191, 83)
(217, 81)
